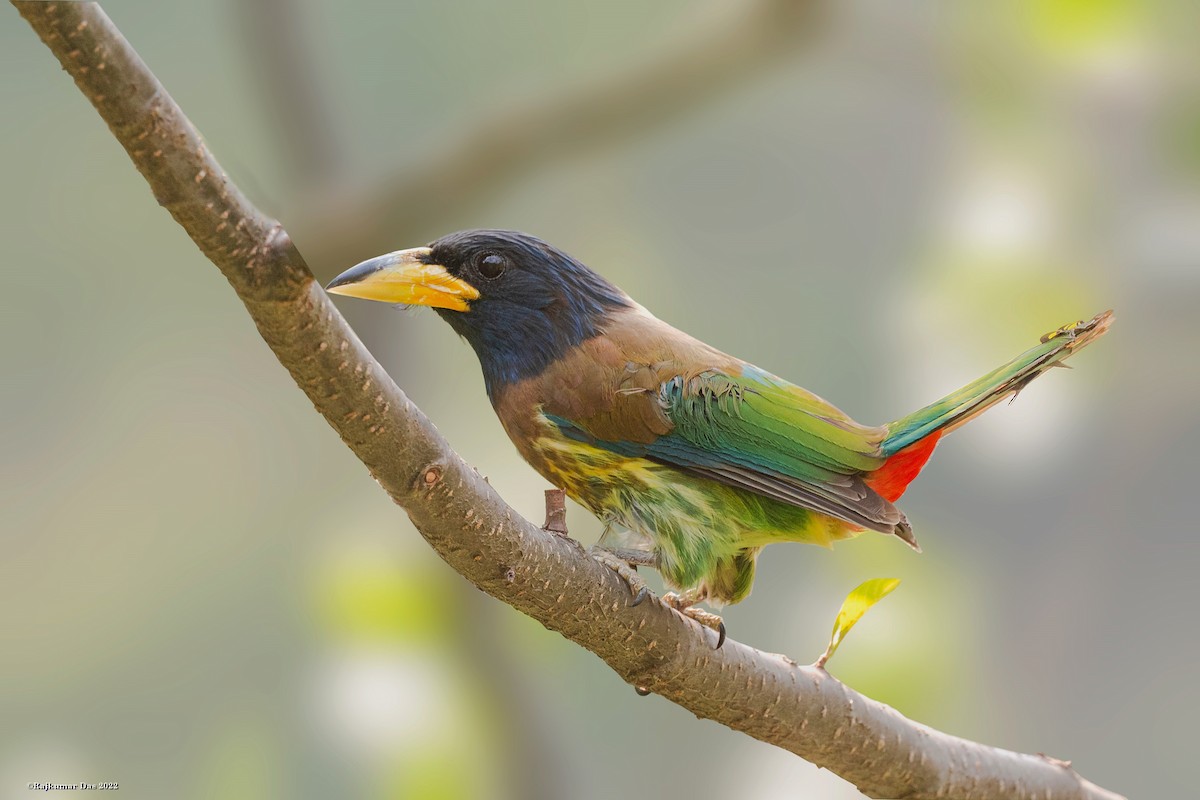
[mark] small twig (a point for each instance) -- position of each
(556, 512)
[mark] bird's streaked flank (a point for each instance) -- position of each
(695, 460)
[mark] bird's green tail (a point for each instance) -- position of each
(955, 409)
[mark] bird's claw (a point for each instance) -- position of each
(685, 604)
(637, 586)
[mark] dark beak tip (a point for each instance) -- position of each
(355, 274)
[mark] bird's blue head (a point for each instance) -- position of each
(521, 303)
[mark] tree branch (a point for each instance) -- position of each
(769, 697)
(482, 156)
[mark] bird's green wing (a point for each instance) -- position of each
(762, 434)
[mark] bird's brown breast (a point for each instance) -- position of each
(609, 385)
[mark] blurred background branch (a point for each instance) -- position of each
(801, 709)
(717, 49)
(276, 35)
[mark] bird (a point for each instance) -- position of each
(693, 459)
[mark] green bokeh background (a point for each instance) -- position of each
(203, 594)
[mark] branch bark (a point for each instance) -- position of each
(770, 697)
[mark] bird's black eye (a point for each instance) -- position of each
(491, 265)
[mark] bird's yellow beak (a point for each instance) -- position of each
(405, 276)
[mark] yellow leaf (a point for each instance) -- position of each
(856, 604)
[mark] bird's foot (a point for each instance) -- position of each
(685, 603)
(624, 563)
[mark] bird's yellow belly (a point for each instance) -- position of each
(704, 532)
